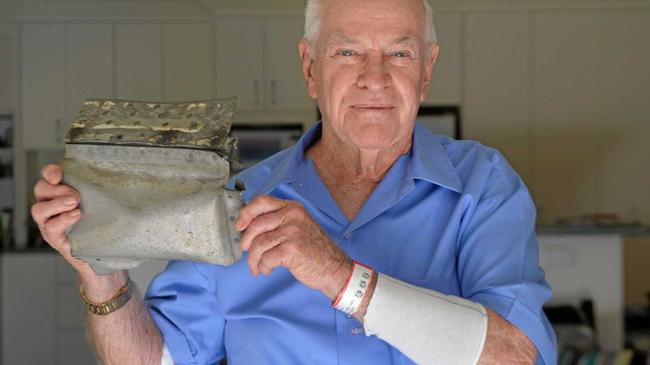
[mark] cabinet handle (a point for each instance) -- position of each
(57, 130)
(274, 87)
(256, 90)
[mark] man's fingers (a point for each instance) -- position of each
(276, 256)
(52, 173)
(54, 230)
(264, 223)
(45, 210)
(261, 244)
(258, 206)
(46, 191)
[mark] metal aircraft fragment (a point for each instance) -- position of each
(152, 179)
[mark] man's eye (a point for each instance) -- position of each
(402, 54)
(347, 52)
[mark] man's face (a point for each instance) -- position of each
(369, 69)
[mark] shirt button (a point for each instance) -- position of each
(348, 236)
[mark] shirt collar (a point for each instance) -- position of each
(429, 160)
(286, 170)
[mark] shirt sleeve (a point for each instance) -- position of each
(498, 265)
(183, 303)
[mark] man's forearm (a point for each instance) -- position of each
(504, 342)
(126, 336)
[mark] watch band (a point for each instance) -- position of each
(118, 300)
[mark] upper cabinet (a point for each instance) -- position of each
(188, 62)
(286, 86)
(43, 90)
(65, 63)
(62, 66)
(138, 57)
(88, 66)
(495, 92)
(8, 66)
(257, 61)
(564, 88)
(445, 85)
(239, 49)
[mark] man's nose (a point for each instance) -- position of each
(374, 75)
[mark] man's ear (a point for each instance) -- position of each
(432, 55)
(307, 67)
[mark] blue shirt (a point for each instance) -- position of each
(451, 216)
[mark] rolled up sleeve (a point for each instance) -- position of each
(499, 265)
(183, 304)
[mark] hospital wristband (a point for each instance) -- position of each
(354, 290)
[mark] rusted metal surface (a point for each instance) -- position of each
(145, 198)
(200, 124)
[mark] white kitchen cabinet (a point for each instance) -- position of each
(138, 48)
(88, 66)
(239, 58)
(496, 84)
(42, 314)
(187, 61)
(43, 87)
(622, 114)
(285, 86)
(445, 85)
(8, 67)
(565, 70)
(588, 266)
(258, 61)
(28, 333)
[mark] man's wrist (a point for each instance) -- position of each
(100, 288)
(337, 279)
(355, 290)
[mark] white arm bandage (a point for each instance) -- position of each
(166, 357)
(427, 326)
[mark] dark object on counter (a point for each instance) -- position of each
(600, 220)
(6, 132)
(6, 169)
(6, 231)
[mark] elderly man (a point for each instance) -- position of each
(379, 243)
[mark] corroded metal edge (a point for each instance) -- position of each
(197, 124)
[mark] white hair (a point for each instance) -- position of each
(312, 22)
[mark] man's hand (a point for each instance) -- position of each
(282, 233)
(56, 210)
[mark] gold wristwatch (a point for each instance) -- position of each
(116, 302)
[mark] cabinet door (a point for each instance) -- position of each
(89, 66)
(622, 114)
(139, 64)
(564, 93)
(28, 309)
(239, 59)
(187, 61)
(445, 85)
(7, 45)
(495, 108)
(42, 85)
(286, 87)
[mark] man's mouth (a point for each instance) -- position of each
(373, 106)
